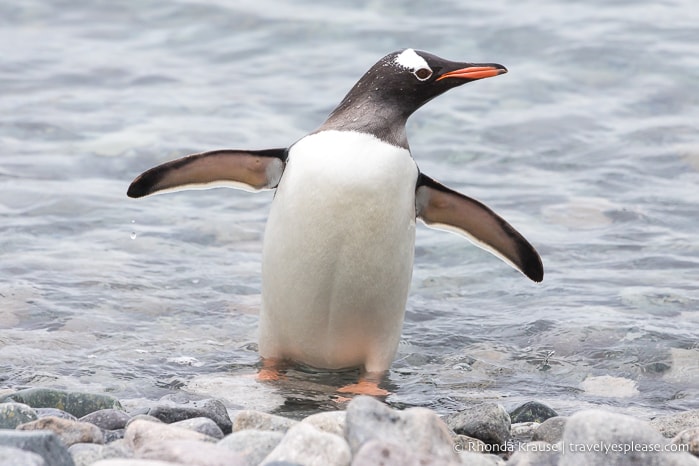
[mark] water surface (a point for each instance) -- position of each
(589, 146)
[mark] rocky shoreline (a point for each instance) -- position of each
(41, 426)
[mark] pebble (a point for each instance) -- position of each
(688, 437)
(107, 419)
(10, 456)
(253, 445)
(310, 446)
(203, 425)
(248, 419)
(76, 403)
(69, 432)
(332, 422)
(55, 412)
(673, 424)
(141, 433)
(551, 430)
(14, 414)
(418, 430)
(170, 412)
(532, 411)
(44, 443)
(368, 433)
(596, 429)
(488, 422)
(536, 454)
(85, 454)
(191, 453)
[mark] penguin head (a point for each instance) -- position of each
(396, 86)
(416, 77)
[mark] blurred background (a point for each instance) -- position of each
(589, 146)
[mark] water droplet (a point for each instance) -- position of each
(133, 235)
(133, 221)
(195, 280)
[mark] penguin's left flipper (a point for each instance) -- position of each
(247, 170)
(443, 208)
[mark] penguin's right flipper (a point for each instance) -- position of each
(252, 170)
(443, 208)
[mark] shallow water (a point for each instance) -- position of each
(589, 146)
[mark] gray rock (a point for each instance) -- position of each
(10, 456)
(202, 425)
(85, 454)
(134, 462)
(590, 438)
(522, 431)
(112, 435)
(673, 424)
(253, 445)
(143, 417)
(191, 453)
(551, 430)
(170, 412)
(536, 454)
(488, 422)
(140, 433)
(69, 432)
(307, 445)
(381, 453)
(14, 414)
(55, 412)
(463, 443)
(107, 419)
(690, 438)
(417, 429)
(76, 403)
(332, 422)
(44, 443)
(532, 411)
(479, 459)
(248, 419)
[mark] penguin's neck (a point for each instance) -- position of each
(365, 113)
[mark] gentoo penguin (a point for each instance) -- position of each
(339, 242)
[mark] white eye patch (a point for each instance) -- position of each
(411, 60)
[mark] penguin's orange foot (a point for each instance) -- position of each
(271, 370)
(269, 375)
(364, 387)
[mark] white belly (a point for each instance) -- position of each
(338, 253)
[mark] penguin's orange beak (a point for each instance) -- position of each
(475, 71)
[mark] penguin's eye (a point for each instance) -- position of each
(423, 73)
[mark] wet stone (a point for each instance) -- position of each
(10, 456)
(306, 444)
(14, 414)
(248, 419)
(605, 429)
(417, 429)
(202, 425)
(170, 412)
(253, 445)
(551, 430)
(532, 411)
(488, 422)
(141, 433)
(44, 443)
(46, 412)
(113, 435)
(76, 403)
(191, 453)
(673, 424)
(68, 431)
(332, 422)
(107, 419)
(536, 454)
(689, 437)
